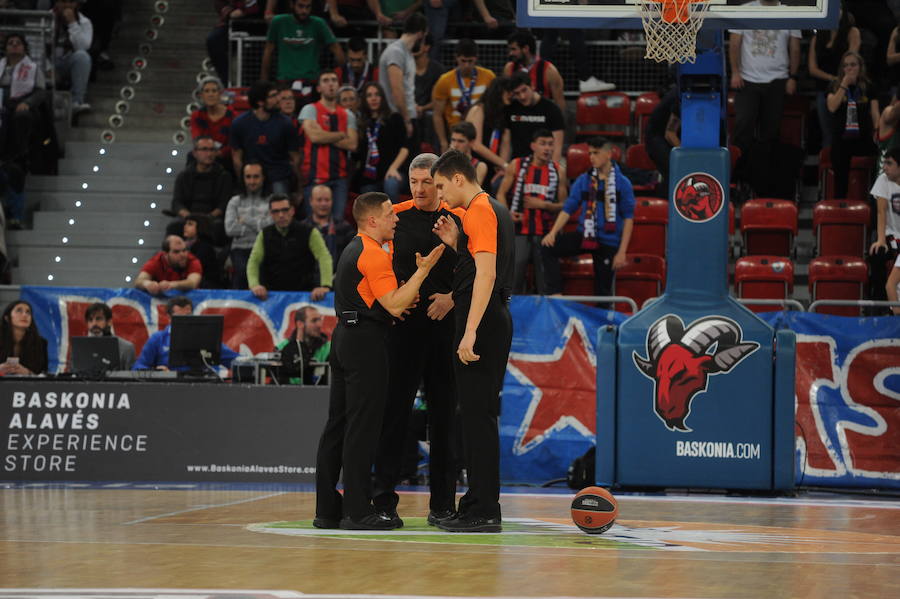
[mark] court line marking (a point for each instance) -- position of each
(282, 594)
(203, 507)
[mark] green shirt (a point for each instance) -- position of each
(316, 246)
(392, 7)
(299, 45)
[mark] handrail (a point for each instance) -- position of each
(750, 300)
(859, 303)
(598, 298)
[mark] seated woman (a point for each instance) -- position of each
(853, 104)
(384, 146)
(22, 350)
(213, 118)
(488, 117)
(23, 86)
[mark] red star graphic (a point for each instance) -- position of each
(565, 389)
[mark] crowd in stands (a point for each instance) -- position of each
(264, 202)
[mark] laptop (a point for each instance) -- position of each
(94, 355)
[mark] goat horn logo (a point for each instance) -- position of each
(679, 364)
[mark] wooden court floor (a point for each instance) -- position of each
(196, 537)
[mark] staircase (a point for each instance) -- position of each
(99, 220)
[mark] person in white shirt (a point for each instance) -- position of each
(892, 287)
(74, 34)
(884, 249)
(764, 65)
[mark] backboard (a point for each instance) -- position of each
(723, 14)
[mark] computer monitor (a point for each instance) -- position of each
(94, 355)
(193, 338)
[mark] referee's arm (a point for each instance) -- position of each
(397, 300)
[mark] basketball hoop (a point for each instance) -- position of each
(671, 28)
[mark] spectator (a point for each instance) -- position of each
(246, 215)
(545, 78)
(174, 268)
(99, 320)
(488, 117)
(217, 40)
(337, 234)
(853, 104)
(330, 134)
(537, 188)
(265, 135)
(528, 113)
(213, 118)
(892, 287)
(285, 255)
(287, 105)
(888, 131)
(457, 90)
(438, 13)
(397, 69)
(664, 132)
(884, 249)
(74, 34)
(390, 13)
(764, 65)
(276, 7)
(428, 71)
(893, 55)
(104, 15)
(357, 71)
(305, 344)
(203, 187)
(348, 98)
(198, 241)
(23, 351)
(12, 187)
(155, 354)
(578, 53)
(341, 12)
(299, 39)
(462, 136)
(22, 85)
(605, 199)
(385, 146)
(498, 15)
(825, 52)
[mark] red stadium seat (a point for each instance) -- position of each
(239, 103)
(651, 216)
(577, 275)
(768, 227)
(764, 277)
(861, 168)
(643, 107)
(636, 157)
(642, 277)
(837, 277)
(793, 120)
(577, 160)
(603, 113)
(841, 227)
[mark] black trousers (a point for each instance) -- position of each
(359, 371)
(758, 108)
(528, 249)
(842, 152)
(478, 387)
(569, 244)
(421, 350)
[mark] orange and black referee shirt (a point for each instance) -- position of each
(486, 227)
(364, 274)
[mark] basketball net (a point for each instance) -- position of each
(671, 28)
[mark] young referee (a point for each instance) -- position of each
(366, 297)
(481, 289)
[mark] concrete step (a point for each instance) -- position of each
(102, 183)
(126, 150)
(105, 120)
(75, 258)
(125, 241)
(75, 203)
(112, 166)
(94, 135)
(100, 223)
(68, 277)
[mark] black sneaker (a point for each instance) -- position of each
(441, 516)
(369, 522)
(326, 522)
(392, 516)
(471, 524)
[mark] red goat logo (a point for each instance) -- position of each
(679, 365)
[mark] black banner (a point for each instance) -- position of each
(91, 431)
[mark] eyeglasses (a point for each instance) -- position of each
(279, 210)
(206, 149)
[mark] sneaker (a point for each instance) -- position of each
(471, 524)
(592, 84)
(441, 516)
(79, 108)
(326, 523)
(392, 516)
(369, 522)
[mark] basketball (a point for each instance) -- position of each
(594, 510)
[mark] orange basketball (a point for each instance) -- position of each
(594, 510)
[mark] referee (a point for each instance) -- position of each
(481, 289)
(421, 351)
(366, 297)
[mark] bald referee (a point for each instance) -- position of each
(482, 283)
(366, 297)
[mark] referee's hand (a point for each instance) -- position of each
(466, 349)
(428, 262)
(446, 229)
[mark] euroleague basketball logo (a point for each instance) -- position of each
(699, 197)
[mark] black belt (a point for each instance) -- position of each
(352, 318)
